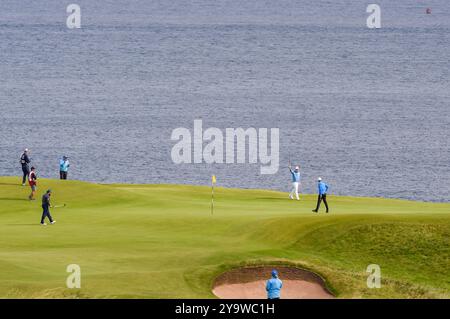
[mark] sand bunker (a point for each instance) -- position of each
(250, 283)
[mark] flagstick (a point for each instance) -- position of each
(212, 198)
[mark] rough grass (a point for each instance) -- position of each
(160, 241)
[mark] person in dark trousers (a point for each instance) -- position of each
(322, 189)
(33, 184)
(46, 205)
(273, 286)
(63, 167)
(25, 161)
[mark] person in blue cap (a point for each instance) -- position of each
(322, 190)
(63, 167)
(273, 286)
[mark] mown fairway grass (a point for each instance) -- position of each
(160, 241)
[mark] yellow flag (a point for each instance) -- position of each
(214, 179)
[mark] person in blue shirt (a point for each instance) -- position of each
(273, 286)
(64, 167)
(322, 189)
(295, 182)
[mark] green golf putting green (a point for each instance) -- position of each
(161, 241)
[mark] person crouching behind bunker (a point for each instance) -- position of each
(273, 286)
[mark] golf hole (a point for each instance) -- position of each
(250, 283)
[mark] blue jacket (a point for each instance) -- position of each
(323, 188)
(64, 165)
(273, 287)
(295, 176)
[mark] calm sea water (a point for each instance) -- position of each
(368, 110)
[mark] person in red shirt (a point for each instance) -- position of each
(33, 184)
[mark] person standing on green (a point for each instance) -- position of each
(63, 167)
(46, 205)
(295, 182)
(25, 162)
(322, 189)
(33, 184)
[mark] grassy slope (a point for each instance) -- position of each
(160, 241)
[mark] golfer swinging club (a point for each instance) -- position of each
(295, 182)
(322, 189)
(46, 208)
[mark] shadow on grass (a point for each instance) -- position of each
(36, 224)
(11, 184)
(271, 198)
(7, 198)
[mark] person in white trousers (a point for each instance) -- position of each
(295, 182)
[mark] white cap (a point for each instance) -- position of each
(296, 167)
(319, 179)
(26, 150)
